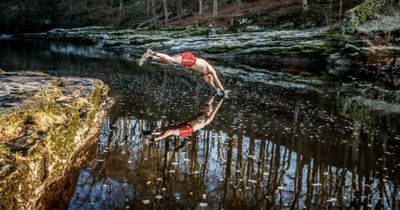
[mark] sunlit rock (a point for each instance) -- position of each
(44, 124)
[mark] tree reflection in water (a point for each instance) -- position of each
(227, 171)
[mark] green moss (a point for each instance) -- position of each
(54, 144)
(365, 12)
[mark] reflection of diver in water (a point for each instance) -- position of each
(186, 129)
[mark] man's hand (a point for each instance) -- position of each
(220, 92)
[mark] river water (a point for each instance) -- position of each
(271, 144)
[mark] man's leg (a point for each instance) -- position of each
(162, 58)
(167, 133)
(158, 57)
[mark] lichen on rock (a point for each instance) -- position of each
(44, 121)
(373, 15)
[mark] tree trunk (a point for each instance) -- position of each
(200, 7)
(330, 9)
(165, 5)
(148, 7)
(179, 9)
(153, 10)
(70, 5)
(19, 5)
(239, 4)
(121, 2)
(215, 8)
(340, 11)
(305, 5)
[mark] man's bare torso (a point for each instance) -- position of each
(198, 122)
(201, 66)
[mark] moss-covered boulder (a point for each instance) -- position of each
(44, 122)
(364, 12)
(374, 15)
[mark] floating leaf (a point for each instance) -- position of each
(316, 184)
(203, 204)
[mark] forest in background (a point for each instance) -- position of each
(38, 15)
(19, 16)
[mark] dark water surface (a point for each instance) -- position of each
(269, 146)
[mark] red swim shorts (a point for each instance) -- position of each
(185, 130)
(188, 59)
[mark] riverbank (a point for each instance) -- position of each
(322, 51)
(45, 122)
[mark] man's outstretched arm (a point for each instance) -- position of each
(212, 115)
(215, 78)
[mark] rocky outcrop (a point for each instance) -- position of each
(301, 52)
(294, 48)
(373, 43)
(44, 123)
(374, 16)
(364, 12)
(367, 61)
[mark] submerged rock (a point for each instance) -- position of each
(44, 123)
(372, 112)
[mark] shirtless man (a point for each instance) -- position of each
(189, 60)
(186, 129)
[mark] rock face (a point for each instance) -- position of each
(377, 22)
(374, 15)
(318, 51)
(44, 123)
(263, 49)
(364, 12)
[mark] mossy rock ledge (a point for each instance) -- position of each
(45, 124)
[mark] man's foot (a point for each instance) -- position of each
(146, 56)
